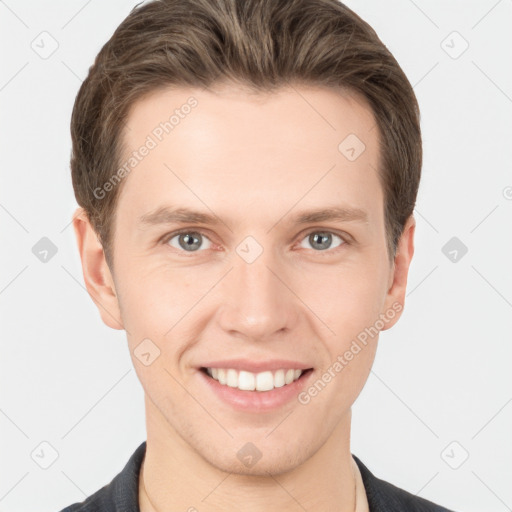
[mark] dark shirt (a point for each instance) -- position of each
(122, 493)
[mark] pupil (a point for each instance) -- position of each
(189, 241)
(322, 239)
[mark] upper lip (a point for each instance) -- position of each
(257, 366)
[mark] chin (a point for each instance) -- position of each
(258, 458)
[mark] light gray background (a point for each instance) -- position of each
(440, 388)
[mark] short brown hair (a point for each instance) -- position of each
(262, 44)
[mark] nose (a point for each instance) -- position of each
(257, 302)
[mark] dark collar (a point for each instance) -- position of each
(385, 497)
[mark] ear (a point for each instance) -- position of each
(397, 284)
(97, 276)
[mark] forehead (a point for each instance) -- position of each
(238, 115)
(232, 148)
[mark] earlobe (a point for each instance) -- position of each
(97, 276)
(395, 298)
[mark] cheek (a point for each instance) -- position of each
(346, 298)
(154, 297)
(355, 362)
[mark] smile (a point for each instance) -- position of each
(249, 381)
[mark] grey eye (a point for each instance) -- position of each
(189, 241)
(321, 240)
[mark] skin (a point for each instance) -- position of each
(255, 161)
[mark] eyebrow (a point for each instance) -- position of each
(169, 215)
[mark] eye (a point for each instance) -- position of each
(189, 241)
(321, 240)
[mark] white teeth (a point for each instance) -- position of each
(232, 378)
(288, 379)
(248, 381)
(264, 381)
(221, 375)
(279, 379)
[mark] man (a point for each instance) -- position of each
(246, 172)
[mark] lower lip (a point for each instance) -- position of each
(257, 401)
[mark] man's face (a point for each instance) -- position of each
(256, 285)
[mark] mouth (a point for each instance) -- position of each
(261, 382)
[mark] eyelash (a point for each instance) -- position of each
(325, 252)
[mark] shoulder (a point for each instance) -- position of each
(385, 497)
(122, 493)
(99, 501)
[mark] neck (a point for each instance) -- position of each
(174, 476)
